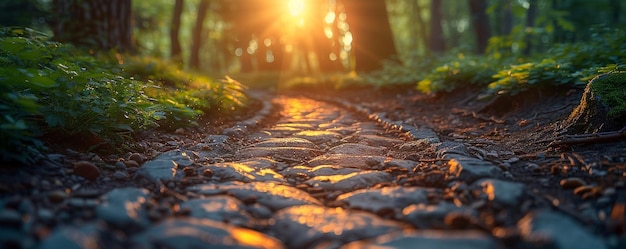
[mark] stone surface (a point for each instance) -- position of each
(380, 200)
(274, 196)
(279, 152)
(201, 233)
(348, 161)
(318, 137)
(219, 208)
(320, 170)
(86, 170)
(428, 239)
(349, 182)
(471, 169)
(165, 165)
(124, 207)
(286, 142)
(242, 172)
(356, 149)
(306, 226)
(501, 193)
(428, 216)
(562, 231)
(84, 237)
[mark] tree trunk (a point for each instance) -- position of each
(322, 44)
(197, 37)
(530, 22)
(480, 21)
(175, 49)
(437, 41)
(420, 30)
(372, 40)
(507, 17)
(99, 24)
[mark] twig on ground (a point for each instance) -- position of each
(600, 137)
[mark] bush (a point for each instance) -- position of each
(52, 88)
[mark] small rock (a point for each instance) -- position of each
(581, 190)
(139, 158)
(572, 183)
(120, 175)
(189, 171)
(501, 193)
(125, 207)
(86, 170)
(558, 229)
(131, 164)
(57, 196)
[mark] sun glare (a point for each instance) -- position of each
(296, 7)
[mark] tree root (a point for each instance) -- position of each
(600, 137)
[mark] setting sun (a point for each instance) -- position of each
(296, 7)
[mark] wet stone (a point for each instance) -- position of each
(159, 170)
(380, 200)
(349, 182)
(356, 149)
(407, 165)
(124, 207)
(559, 230)
(201, 233)
(274, 196)
(470, 169)
(219, 208)
(446, 148)
(279, 152)
(262, 163)
(84, 237)
(320, 170)
(431, 239)
(307, 226)
(318, 137)
(348, 161)
(501, 193)
(242, 172)
(374, 140)
(422, 133)
(165, 165)
(286, 142)
(426, 216)
(11, 237)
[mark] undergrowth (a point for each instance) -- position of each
(563, 65)
(52, 88)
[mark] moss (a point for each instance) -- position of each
(611, 88)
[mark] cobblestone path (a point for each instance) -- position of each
(322, 176)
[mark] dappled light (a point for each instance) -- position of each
(312, 124)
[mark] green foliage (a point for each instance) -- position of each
(465, 70)
(521, 77)
(51, 88)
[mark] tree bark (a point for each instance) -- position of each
(480, 21)
(175, 49)
(197, 35)
(530, 22)
(99, 24)
(437, 41)
(372, 40)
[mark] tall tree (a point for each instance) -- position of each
(437, 41)
(372, 40)
(175, 49)
(99, 24)
(197, 35)
(531, 14)
(480, 21)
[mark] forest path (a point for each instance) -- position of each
(320, 176)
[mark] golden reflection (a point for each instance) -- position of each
(253, 238)
(296, 7)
